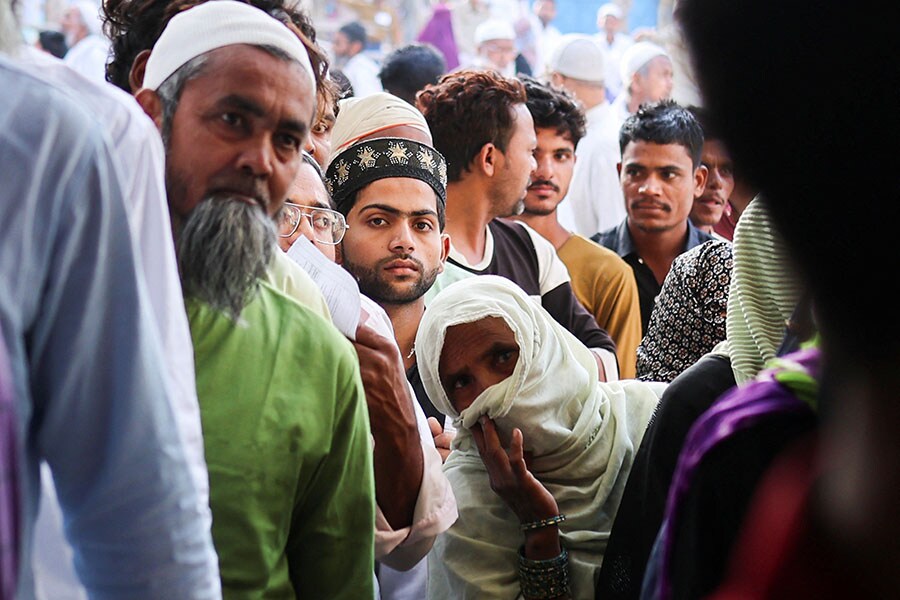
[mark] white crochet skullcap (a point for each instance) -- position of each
(494, 29)
(215, 24)
(577, 56)
(636, 56)
(610, 9)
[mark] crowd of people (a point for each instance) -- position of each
(498, 315)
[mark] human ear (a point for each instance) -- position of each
(136, 74)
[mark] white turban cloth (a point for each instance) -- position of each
(583, 435)
(359, 118)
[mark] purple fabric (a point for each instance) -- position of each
(738, 409)
(9, 483)
(439, 33)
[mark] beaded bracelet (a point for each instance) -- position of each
(555, 520)
(544, 578)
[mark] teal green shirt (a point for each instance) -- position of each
(286, 434)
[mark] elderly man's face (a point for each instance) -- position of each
(657, 84)
(239, 130)
(308, 191)
(499, 53)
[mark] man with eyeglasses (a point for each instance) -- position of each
(308, 212)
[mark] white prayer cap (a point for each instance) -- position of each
(577, 56)
(358, 118)
(610, 9)
(90, 15)
(636, 56)
(215, 24)
(494, 29)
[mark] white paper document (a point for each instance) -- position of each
(338, 286)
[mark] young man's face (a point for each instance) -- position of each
(394, 246)
(342, 46)
(555, 157)
(239, 129)
(708, 208)
(659, 183)
(512, 169)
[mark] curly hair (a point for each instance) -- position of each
(554, 108)
(466, 110)
(135, 25)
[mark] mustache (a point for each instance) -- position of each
(537, 182)
(381, 263)
(651, 204)
(243, 185)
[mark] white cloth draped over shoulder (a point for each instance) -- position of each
(582, 434)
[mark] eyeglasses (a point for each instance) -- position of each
(328, 225)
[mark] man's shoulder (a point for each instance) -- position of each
(611, 238)
(36, 100)
(270, 318)
(292, 280)
(580, 254)
(696, 237)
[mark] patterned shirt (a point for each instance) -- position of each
(689, 316)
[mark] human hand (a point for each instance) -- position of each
(384, 380)
(509, 474)
(441, 437)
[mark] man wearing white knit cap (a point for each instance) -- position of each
(646, 70)
(594, 201)
(495, 41)
(281, 400)
(614, 41)
(88, 47)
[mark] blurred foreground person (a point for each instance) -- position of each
(844, 486)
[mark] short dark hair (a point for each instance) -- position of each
(467, 109)
(135, 26)
(664, 122)
(554, 108)
(355, 32)
(410, 68)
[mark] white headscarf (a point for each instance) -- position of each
(358, 118)
(583, 435)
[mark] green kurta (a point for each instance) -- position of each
(286, 434)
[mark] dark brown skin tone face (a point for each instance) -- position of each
(476, 356)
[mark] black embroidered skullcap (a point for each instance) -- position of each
(371, 160)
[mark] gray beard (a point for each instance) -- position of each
(224, 248)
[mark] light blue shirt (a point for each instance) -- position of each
(90, 383)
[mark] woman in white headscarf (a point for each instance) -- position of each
(543, 449)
